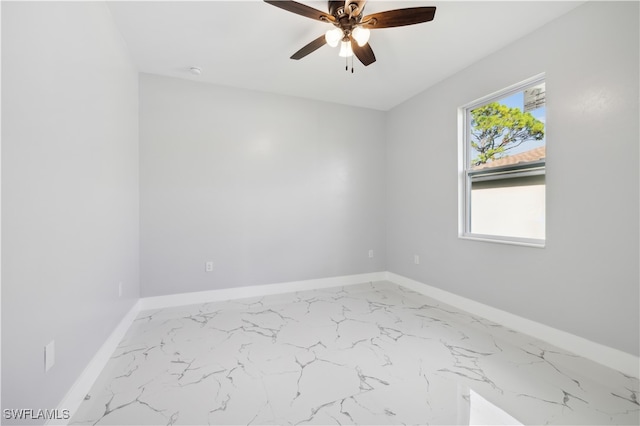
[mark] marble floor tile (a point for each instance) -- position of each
(372, 353)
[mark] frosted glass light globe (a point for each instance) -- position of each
(333, 37)
(345, 50)
(361, 35)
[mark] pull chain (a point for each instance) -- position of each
(346, 64)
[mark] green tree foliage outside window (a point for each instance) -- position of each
(496, 129)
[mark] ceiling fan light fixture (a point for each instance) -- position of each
(333, 36)
(352, 25)
(345, 50)
(361, 35)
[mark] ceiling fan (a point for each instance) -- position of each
(352, 27)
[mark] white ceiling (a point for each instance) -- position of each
(247, 44)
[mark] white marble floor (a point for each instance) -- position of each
(372, 353)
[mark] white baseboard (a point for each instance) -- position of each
(159, 302)
(607, 356)
(85, 381)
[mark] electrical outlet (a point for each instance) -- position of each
(370, 254)
(208, 267)
(49, 355)
(120, 289)
(416, 259)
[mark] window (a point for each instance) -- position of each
(502, 178)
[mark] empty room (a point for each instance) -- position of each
(320, 212)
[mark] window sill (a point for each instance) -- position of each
(504, 240)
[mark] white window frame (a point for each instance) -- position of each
(465, 174)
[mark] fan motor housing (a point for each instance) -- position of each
(348, 8)
(344, 20)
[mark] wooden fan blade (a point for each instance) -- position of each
(311, 47)
(363, 53)
(301, 9)
(399, 17)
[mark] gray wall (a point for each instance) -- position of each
(69, 193)
(270, 188)
(586, 279)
